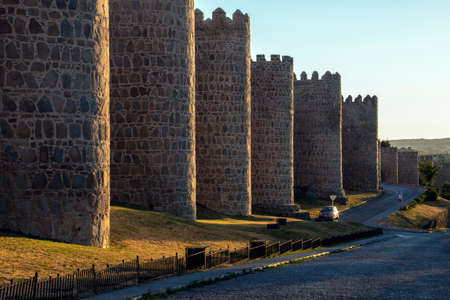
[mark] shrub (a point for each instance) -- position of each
(445, 191)
(431, 195)
(385, 144)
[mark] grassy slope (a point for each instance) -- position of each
(418, 216)
(313, 206)
(149, 235)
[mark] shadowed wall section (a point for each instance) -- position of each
(318, 135)
(223, 112)
(54, 120)
(272, 133)
(444, 175)
(153, 105)
(360, 144)
(408, 172)
(389, 165)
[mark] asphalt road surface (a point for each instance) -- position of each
(404, 265)
(376, 210)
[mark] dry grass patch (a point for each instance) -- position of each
(313, 206)
(149, 235)
(420, 215)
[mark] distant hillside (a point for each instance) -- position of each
(432, 146)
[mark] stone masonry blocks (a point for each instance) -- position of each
(54, 119)
(389, 165)
(272, 133)
(318, 134)
(153, 105)
(223, 112)
(360, 144)
(408, 172)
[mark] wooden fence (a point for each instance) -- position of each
(93, 281)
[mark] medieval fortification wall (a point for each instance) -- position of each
(272, 133)
(223, 112)
(54, 119)
(360, 144)
(408, 172)
(152, 105)
(442, 160)
(318, 134)
(180, 115)
(389, 165)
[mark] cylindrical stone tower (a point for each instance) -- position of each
(153, 105)
(318, 135)
(223, 112)
(54, 119)
(272, 135)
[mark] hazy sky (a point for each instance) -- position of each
(398, 50)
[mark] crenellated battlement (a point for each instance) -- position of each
(219, 18)
(274, 58)
(283, 64)
(328, 76)
(369, 100)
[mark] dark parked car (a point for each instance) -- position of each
(329, 213)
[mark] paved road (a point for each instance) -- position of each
(376, 210)
(407, 266)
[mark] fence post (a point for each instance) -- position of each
(94, 280)
(35, 279)
(137, 269)
(204, 267)
(248, 252)
(176, 262)
(75, 283)
(229, 254)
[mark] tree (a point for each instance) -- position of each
(385, 144)
(429, 173)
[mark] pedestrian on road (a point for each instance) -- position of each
(400, 197)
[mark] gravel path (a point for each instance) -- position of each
(408, 266)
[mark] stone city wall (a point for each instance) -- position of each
(223, 112)
(389, 165)
(318, 134)
(152, 105)
(408, 172)
(272, 132)
(444, 174)
(379, 161)
(54, 120)
(360, 144)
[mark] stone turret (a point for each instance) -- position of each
(54, 120)
(360, 144)
(223, 112)
(153, 105)
(272, 134)
(318, 135)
